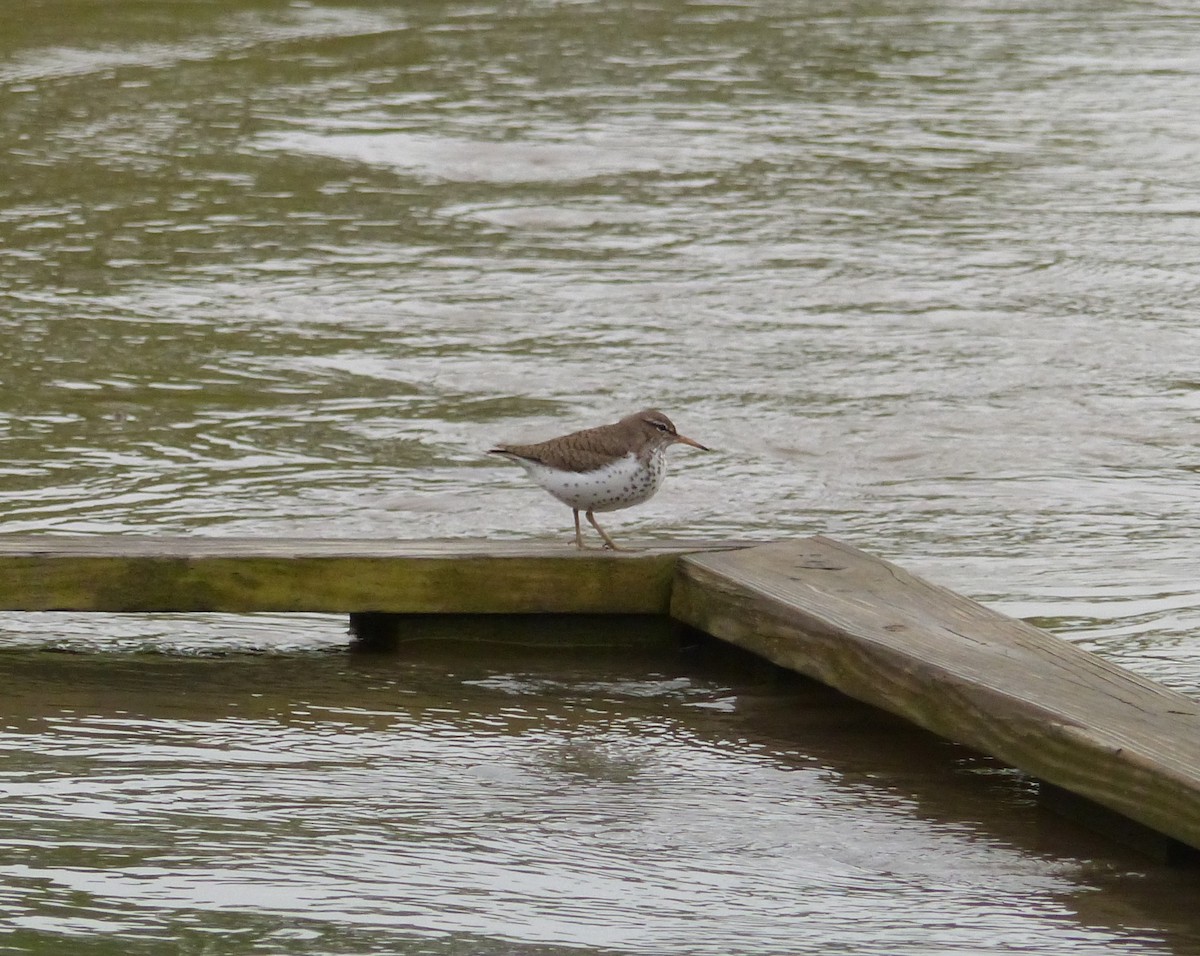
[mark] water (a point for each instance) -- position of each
(923, 273)
(535, 801)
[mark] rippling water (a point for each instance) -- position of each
(533, 802)
(923, 273)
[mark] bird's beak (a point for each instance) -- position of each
(683, 439)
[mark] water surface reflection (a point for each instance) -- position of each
(441, 801)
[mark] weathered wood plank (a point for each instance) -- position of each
(954, 667)
(159, 573)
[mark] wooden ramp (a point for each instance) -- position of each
(1079, 724)
(950, 665)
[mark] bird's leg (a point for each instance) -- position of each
(578, 531)
(608, 542)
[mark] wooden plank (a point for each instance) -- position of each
(159, 573)
(958, 669)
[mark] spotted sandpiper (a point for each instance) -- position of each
(602, 469)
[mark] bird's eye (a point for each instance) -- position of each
(660, 426)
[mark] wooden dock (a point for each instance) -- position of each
(1090, 731)
(242, 575)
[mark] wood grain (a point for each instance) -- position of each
(958, 669)
(159, 573)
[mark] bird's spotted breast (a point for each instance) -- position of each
(625, 482)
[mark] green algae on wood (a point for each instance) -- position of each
(141, 573)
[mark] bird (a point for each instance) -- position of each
(604, 468)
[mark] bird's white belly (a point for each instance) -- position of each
(623, 483)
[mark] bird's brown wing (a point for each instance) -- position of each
(580, 451)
